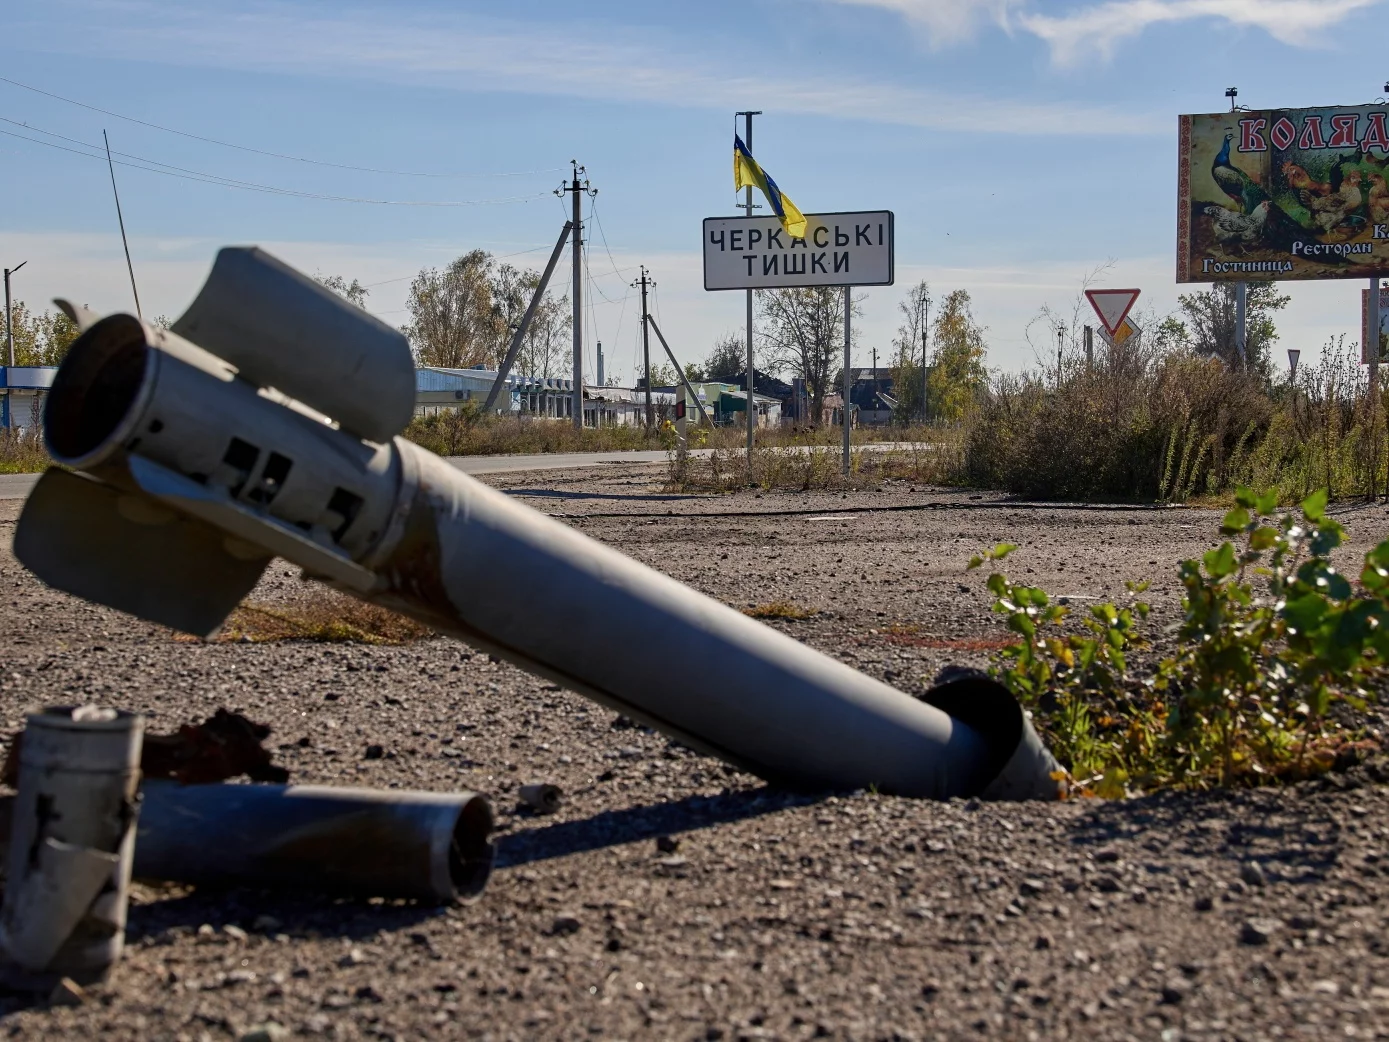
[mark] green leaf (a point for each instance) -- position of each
(974, 562)
(1219, 562)
(1305, 613)
(1244, 496)
(1263, 538)
(1267, 503)
(1002, 550)
(1314, 506)
(1235, 521)
(1022, 624)
(998, 585)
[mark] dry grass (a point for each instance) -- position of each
(910, 635)
(326, 617)
(814, 460)
(785, 610)
(22, 453)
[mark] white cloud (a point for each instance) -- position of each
(947, 21)
(1098, 29)
(475, 53)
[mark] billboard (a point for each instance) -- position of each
(839, 249)
(1365, 338)
(1283, 194)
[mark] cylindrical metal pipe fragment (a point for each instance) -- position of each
(429, 846)
(474, 562)
(70, 845)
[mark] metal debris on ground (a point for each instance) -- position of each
(428, 846)
(72, 830)
(224, 746)
(540, 797)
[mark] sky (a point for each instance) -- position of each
(1023, 145)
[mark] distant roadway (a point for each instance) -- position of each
(17, 486)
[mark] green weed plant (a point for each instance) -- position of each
(1272, 637)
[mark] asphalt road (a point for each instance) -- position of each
(17, 486)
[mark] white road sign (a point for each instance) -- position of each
(839, 249)
(1112, 305)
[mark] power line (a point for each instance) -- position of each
(264, 152)
(155, 167)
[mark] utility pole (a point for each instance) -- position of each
(748, 206)
(600, 365)
(578, 190)
(9, 321)
(643, 282)
(1060, 342)
(923, 318)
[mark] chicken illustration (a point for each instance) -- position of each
(1301, 181)
(1331, 210)
(1379, 199)
(1231, 227)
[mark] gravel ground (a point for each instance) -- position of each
(672, 897)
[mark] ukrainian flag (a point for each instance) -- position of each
(748, 174)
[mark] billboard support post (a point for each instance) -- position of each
(1372, 307)
(1241, 309)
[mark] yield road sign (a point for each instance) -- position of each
(1112, 306)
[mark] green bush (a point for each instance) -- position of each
(1271, 636)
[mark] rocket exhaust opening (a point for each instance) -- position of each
(95, 388)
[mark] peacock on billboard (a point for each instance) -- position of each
(1284, 194)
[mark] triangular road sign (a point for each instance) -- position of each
(1112, 305)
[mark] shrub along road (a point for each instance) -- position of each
(672, 897)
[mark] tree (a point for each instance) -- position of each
(728, 358)
(453, 323)
(41, 339)
(353, 292)
(661, 376)
(694, 373)
(803, 330)
(957, 374)
(910, 343)
(547, 350)
(1209, 323)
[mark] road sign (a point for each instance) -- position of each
(1293, 355)
(1126, 330)
(839, 249)
(1112, 306)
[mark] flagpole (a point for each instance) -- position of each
(751, 381)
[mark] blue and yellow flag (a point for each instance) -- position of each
(747, 173)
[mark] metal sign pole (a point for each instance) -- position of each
(848, 321)
(747, 207)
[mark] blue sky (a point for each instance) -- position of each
(1021, 143)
